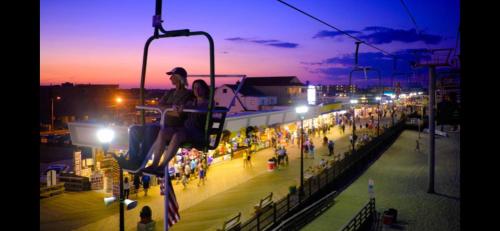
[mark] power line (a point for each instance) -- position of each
(458, 37)
(419, 34)
(339, 30)
(411, 16)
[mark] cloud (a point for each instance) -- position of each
(312, 63)
(284, 45)
(338, 68)
(332, 34)
(267, 42)
(235, 39)
(370, 57)
(383, 35)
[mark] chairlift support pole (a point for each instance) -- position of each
(432, 126)
(432, 99)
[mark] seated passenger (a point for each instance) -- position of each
(193, 129)
(141, 137)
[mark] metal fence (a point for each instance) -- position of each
(274, 213)
(364, 219)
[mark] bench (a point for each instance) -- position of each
(266, 201)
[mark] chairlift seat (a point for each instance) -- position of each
(141, 139)
(216, 125)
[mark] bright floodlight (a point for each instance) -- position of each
(109, 200)
(105, 135)
(354, 101)
(130, 204)
(301, 109)
(378, 98)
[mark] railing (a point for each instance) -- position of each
(232, 224)
(364, 219)
(303, 217)
(331, 178)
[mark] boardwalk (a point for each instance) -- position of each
(401, 176)
(229, 188)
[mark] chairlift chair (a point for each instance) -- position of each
(140, 152)
(364, 69)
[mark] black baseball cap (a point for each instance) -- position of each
(178, 70)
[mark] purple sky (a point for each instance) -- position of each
(93, 41)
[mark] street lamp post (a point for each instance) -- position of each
(353, 102)
(119, 101)
(52, 117)
(105, 136)
(301, 110)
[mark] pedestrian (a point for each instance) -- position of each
(201, 174)
(178, 171)
(249, 159)
(145, 184)
(185, 176)
(245, 159)
(193, 168)
(137, 184)
(311, 149)
(146, 223)
(330, 147)
(126, 188)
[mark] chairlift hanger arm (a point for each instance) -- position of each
(177, 33)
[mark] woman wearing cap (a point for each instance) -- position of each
(175, 98)
(193, 127)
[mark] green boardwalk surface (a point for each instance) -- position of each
(401, 178)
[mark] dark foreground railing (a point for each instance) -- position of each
(364, 220)
(300, 219)
(332, 178)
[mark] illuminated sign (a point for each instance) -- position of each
(311, 95)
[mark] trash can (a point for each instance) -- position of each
(271, 165)
(394, 213)
(388, 218)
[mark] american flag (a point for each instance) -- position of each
(173, 207)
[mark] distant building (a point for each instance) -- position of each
(342, 89)
(448, 85)
(249, 98)
(82, 102)
(261, 93)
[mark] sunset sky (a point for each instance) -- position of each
(102, 41)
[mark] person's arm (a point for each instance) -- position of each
(164, 98)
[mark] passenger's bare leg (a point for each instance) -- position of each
(175, 142)
(159, 145)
